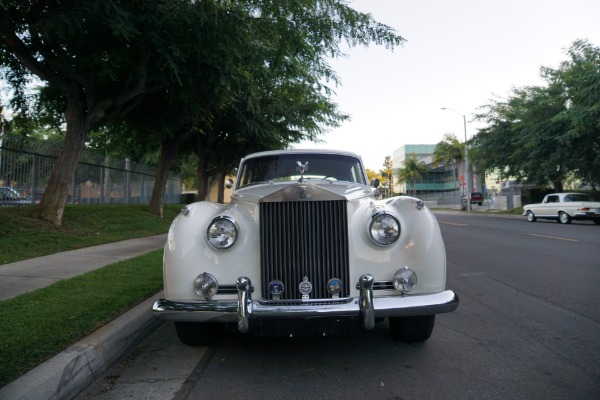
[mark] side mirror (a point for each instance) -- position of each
(375, 183)
(228, 183)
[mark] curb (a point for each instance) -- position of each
(67, 374)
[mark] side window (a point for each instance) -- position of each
(567, 199)
(552, 199)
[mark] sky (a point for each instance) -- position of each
(459, 54)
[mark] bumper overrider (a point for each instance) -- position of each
(366, 307)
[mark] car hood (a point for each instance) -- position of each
(302, 192)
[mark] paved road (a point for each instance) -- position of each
(528, 327)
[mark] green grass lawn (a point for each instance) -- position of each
(22, 236)
(40, 324)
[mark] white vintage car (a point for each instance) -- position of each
(304, 249)
(564, 207)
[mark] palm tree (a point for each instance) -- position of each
(449, 152)
(386, 173)
(412, 170)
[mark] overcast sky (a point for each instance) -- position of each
(459, 54)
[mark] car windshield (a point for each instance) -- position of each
(284, 167)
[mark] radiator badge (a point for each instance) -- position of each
(276, 289)
(305, 288)
(334, 286)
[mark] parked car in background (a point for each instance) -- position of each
(304, 249)
(564, 207)
(10, 197)
(476, 198)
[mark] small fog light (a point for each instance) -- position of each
(405, 280)
(206, 285)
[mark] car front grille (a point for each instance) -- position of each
(304, 239)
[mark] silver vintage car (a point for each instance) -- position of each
(564, 208)
(303, 248)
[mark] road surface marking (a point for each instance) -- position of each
(453, 223)
(552, 237)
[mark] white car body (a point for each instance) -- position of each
(301, 241)
(564, 208)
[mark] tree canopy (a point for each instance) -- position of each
(208, 64)
(449, 151)
(411, 171)
(545, 134)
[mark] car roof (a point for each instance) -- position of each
(301, 151)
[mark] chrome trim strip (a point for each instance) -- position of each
(377, 285)
(227, 310)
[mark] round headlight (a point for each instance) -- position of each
(405, 280)
(222, 232)
(384, 229)
(206, 285)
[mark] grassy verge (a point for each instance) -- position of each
(40, 324)
(23, 237)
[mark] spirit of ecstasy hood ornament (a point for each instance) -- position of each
(302, 168)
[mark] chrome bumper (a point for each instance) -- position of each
(366, 307)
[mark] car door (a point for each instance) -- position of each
(550, 207)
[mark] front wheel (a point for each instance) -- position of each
(564, 218)
(531, 216)
(197, 333)
(412, 329)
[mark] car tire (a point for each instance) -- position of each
(564, 218)
(197, 333)
(531, 216)
(412, 329)
(480, 204)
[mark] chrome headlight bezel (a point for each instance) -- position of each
(383, 229)
(222, 232)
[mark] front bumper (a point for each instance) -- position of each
(366, 307)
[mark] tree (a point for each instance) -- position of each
(449, 152)
(103, 56)
(106, 56)
(542, 134)
(386, 172)
(411, 171)
(278, 93)
(579, 79)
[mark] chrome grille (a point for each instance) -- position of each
(304, 238)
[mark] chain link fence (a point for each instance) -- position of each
(26, 164)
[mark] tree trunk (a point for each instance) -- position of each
(558, 186)
(220, 177)
(53, 201)
(202, 177)
(168, 153)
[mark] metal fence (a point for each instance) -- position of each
(26, 164)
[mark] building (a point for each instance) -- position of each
(443, 183)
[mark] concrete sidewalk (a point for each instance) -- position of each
(71, 371)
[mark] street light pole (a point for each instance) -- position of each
(467, 171)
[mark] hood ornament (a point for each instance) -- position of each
(301, 168)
